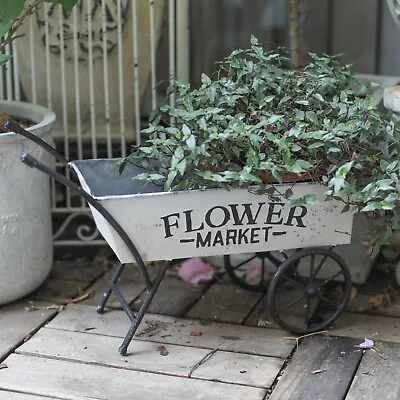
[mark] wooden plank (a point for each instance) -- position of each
(83, 318)
(356, 19)
(58, 290)
(260, 316)
(225, 302)
(361, 326)
(378, 374)
(173, 297)
(21, 396)
(79, 270)
(240, 368)
(158, 328)
(76, 381)
(179, 361)
(334, 358)
(17, 322)
(103, 350)
(237, 338)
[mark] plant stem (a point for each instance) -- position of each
(10, 37)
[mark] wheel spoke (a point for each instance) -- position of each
(326, 300)
(244, 262)
(262, 270)
(307, 314)
(294, 281)
(331, 278)
(285, 256)
(275, 260)
(316, 271)
(312, 267)
(289, 304)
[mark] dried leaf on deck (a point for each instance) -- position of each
(195, 333)
(163, 350)
(353, 293)
(319, 371)
(80, 298)
(380, 300)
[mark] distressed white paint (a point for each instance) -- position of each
(25, 220)
(169, 225)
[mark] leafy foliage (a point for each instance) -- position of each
(257, 118)
(14, 12)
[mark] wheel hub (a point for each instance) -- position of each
(311, 289)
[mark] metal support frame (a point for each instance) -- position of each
(151, 286)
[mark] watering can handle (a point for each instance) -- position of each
(13, 127)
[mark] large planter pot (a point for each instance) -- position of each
(26, 250)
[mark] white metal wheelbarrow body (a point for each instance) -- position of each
(172, 225)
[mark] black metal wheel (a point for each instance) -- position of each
(309, 291)
(254, 271)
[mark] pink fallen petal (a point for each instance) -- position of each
(195, 271)
(366, 344)
(253, 272)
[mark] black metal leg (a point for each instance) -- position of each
(111, 285)
(140, 314)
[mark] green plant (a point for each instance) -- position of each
(258, 118)
(13, 13)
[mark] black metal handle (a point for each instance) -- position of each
(14, 127)
(29, 160)
(34, 163)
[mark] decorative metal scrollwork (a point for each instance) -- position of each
(82, 227)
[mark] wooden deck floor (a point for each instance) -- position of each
(213, 341)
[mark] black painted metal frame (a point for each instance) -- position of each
(151, 286)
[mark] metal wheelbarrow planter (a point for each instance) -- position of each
(142, 223)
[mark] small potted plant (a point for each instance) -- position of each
(259, 121)
(25, 219)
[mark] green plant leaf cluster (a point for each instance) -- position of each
(258, 119)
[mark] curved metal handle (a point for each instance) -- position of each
(29, 160)
(14, 127)
(34, 163)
